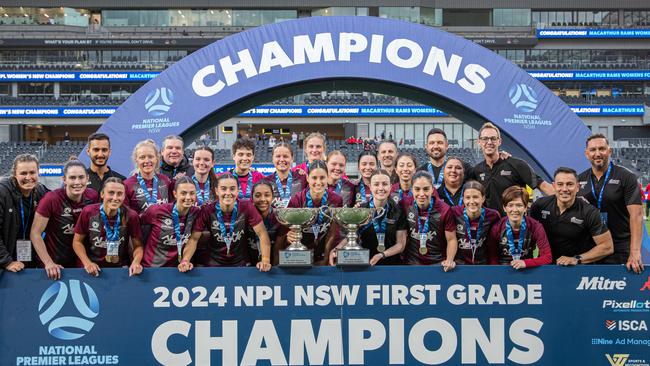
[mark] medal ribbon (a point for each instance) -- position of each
(249, 184)
(285, 192)
(424, 227)
(516, 250)
(381, 227)
(202, 195)
(473, 242)
(24, 219)
(323, 202)
(441, 174)
(222, 224)
(112, 233)
(153, 198)
(450, 198)
(177, 228)
(602, 189)
(362, 189)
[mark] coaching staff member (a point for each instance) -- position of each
(99, 150)
(614, 191)
(572, 225)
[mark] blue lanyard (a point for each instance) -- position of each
(401, 194)
(202, 195)
(381, 227)
(112, 233)
(450, 198)
(424, 227)
(602, 188)
(24, 220)
(511, 239)
(285, 192)
(222, 224)
(249, 185)
(177, 224)
(468, 226)
(441, 173)
(153, 198)
(362, 189)
(338, 186)
(323, 202)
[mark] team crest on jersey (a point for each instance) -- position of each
(545, 213)
(460, 228)
(166, 224)
(139, 192)
(576, 221)
(396, 198)
(67, 212)
(482, 176)
(411, 216)
(614, 181)
(582, 184)
(506, 172)
(94, 226)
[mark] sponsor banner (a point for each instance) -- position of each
(107, 42)
(593, 33)
(398, 315)
(265, 169)
(549, 75)
(50, 170)
(309, 111)
(94, 76)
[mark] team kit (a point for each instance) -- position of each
(175, 213)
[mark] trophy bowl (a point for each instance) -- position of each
(296, 254)
(351, 218)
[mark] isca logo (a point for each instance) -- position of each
(67, 327)
(523, 97)
(159, 101)
(617, 359)
(610, 324)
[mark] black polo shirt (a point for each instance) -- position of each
(622, 189)
(97, 183)
(570, 233)
(504, 174)
(468, 171)
(446, 194)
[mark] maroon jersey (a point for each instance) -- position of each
(243, 182)
(273, 228)
(217, 254)
(161, 249)
(499, 249)
(298, 183)
(440, 220)
(359, 191)
(308, 237)
(91, 225)
(62, 214)
(207, 197)
(135, 196)
(477, 254)
(346, 192)
(397, 194)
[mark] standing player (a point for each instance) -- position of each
(19, 198)
(227, 220)
(146, 187)
(437, 146)
(285, 183)
(204, 178)
(513, 240)
(573, 226)
(473, 224)
(496, 173)
(263, 200)
(57, 215)
(406, 165)
(323, 234)
(243, 153)
(387, 154)
(99, 150)
(614, 191)
(367, 164)
(432, 236)
(174, 163)
(336, 180)
(315, 148)
(171, 226)
(451, 190)
(102, 233)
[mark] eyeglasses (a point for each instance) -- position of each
(489, 138)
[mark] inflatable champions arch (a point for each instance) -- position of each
(449, 72)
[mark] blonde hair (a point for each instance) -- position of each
(488, 125)
(319, 136)
(145, 143)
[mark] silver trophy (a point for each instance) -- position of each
(296, 254)
(352, 254)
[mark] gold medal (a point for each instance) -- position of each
(381, 248)
(423, 250)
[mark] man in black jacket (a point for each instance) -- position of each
(19, 196)
(174, 163)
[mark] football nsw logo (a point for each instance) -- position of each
(523, 97)
(159, 101)
(68, 323)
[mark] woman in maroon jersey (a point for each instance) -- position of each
(102, 234)
(204, 178)
(56, 215)
(513, 240)
(263, 198)
(323, 234)
(336, 180)
(432, 236)
(473, 224)
(147, 186)
(284, 182)
(314, 148)
(171, 226)
(405, 166)
(227, 220)
(366, 164)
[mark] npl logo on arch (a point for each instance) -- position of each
(66, 326)
(158, 101)
(523, 97)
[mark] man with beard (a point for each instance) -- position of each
(387, 155)
(174, 163)
(99, 150)
(437, 146)
(614, 191)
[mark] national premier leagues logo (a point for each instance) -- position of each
(523, 97)
(159, 101)
(60, 323)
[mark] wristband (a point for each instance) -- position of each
(383, 255)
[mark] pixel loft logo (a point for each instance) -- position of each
(68, 327)
(159, 101)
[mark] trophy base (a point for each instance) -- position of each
(296, 258)
(353, 257)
